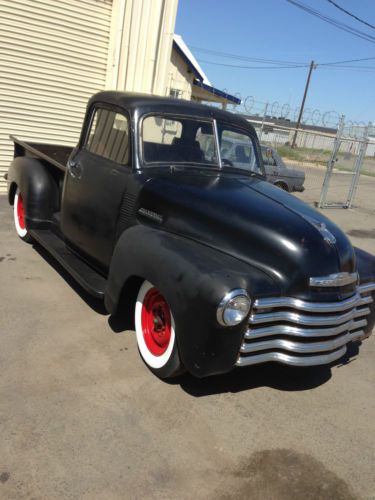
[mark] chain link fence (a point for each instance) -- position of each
(336, 155)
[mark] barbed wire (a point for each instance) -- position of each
(284, 111)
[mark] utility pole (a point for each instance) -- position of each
(312, 66)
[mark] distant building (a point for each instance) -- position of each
(187, 80)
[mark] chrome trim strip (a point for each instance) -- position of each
(217, 144)
(287, 359)
(302, 319)
(355, 300)
(337, 279)
(302, 348)
(294, 331)
(366, 287)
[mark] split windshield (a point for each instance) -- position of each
(178, 140)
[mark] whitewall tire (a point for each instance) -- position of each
(19, 215)
(156, 332)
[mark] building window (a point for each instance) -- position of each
(175, 93)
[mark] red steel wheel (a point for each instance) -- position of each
(20, 217)
(155, 330)
(156, 322)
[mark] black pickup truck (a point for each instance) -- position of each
(221, 268)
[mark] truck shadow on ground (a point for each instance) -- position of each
(274, 375)
(96, 304)
(282, 378)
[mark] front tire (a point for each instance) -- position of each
(20, 217)
(156, 335)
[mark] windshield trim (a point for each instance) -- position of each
(212, 121)
(218, 152)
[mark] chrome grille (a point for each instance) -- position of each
(301, 333)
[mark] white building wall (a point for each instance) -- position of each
(179, 78)
(141, 45)
(56, 53)
(53, 57)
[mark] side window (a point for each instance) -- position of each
(267, 157)
(109, 136)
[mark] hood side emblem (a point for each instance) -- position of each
(150, 214)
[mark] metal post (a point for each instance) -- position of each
(312, 66)
(331, 162)
(264, 117)
(357, 167)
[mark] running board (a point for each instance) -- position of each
(85, 275)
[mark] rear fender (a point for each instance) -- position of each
(39, 190)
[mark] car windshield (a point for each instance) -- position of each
(192, 141)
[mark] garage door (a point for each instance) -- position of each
(53, 58)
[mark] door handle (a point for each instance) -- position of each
(75, 169)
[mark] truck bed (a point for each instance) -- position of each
(55, 154)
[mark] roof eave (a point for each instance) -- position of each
(217, 92)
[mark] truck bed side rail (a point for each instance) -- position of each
(36, 151)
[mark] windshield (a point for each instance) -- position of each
(192, 141)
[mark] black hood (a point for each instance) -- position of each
(251, 220)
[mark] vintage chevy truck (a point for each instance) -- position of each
(221, 268)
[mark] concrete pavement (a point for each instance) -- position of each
(81, 417)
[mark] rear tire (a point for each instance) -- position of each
(20, 217)
(282, 186)
(155, 330)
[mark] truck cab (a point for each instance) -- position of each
(220, 268)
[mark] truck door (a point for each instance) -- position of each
(95, 182)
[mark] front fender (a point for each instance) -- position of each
(366, 270)
(193, 278)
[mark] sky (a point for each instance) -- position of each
(278, 30)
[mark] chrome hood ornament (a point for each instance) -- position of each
(323, 230)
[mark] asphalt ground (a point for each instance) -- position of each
(81, 417)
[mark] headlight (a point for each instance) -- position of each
(234, 308)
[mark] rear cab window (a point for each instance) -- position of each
(108, 136)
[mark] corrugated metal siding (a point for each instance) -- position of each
(53, 58)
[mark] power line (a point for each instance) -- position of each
(239, 57)
(333, 22)
(362, 69)
(347, 61)
(351, 14)
(252, 67)
(245, 58)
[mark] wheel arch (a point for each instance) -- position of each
(39, 189)
(282, 184)
(127, 299)
(12, 192)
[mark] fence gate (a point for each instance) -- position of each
(344, 168)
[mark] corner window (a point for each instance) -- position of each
(109, 136)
